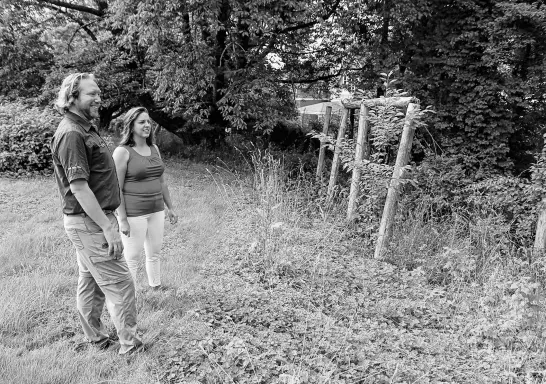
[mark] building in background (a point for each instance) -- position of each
(312, 105)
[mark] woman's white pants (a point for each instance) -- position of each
(146, 232)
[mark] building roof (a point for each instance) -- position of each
(320, 108)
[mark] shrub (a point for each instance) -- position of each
(445, 189)
(459, 227)
(289, 135)
(25, 134)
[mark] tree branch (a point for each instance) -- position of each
(275, 34)
(310, 81)
(76, 20)
(84, 27)
(319, 78)
(102, 5)
(76, 7)
(311, 23)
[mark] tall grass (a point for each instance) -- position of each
(495, 291)
(39, 327)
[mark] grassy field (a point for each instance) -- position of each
(265, 286)
(38, 276)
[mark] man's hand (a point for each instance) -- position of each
(124, 227)
(115, 246)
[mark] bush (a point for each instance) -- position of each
(25, 134)
(460, 227)
(289, 135)
(444, 188)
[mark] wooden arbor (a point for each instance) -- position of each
(363, 153)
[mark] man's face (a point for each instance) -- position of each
(88, 102)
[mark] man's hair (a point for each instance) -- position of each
(70, 90)
(128, 122)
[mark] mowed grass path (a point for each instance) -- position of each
(39, 326)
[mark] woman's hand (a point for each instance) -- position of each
(173, 217)
(124, 227)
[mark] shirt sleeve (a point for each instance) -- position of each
(72, 154)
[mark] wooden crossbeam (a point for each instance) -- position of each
(399, 102)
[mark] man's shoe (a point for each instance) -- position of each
(81, 346)
(103, 345)
(106, 345)
(160, 288)
(136, 350)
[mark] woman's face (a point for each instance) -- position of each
(142, 126)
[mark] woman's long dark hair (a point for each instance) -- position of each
(128, 122)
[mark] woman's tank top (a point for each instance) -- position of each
(142, 189)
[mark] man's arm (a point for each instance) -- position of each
(121, 158)
(88, 201)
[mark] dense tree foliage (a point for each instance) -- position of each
(202, 65)
(481, 64)
(24, 59)
(195, 61)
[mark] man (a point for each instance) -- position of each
(87, 180)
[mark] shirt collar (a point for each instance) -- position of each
(85, 124)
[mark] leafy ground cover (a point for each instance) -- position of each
(265, 287)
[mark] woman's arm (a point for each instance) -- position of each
(173, 217)
(121, 157)
(166, 194)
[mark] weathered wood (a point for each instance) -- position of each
(402, 158)
(337, 153)
(540, 234)
(362, 141)
(322, 150)
(351, 133)
(399, 102)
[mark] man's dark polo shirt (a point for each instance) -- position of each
(80, 153)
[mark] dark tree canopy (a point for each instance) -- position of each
(210, 65)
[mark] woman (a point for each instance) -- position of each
(141, 214)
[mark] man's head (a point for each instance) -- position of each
(80, 94)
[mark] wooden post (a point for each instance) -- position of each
(540, 234)
(351, 133)
(337, 153)
(322, 150)
(389, 212)
(362, 139)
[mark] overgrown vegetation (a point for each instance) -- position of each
(300, 300)
(289, 293)
(25, 133)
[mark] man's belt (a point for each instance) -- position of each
(83, 214)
